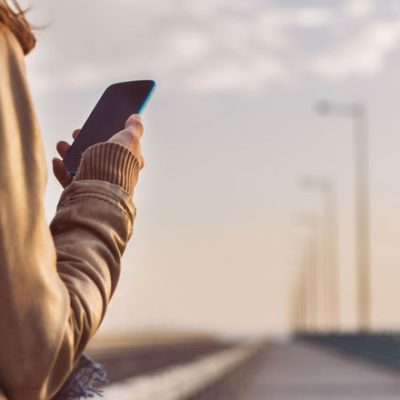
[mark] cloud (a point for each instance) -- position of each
(362, 54)
(248, 78)
(209, 46)
(219, 45)
(313, 17)
(359, 8)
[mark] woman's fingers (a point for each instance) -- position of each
(62, 148)
(75, 133)
(61, 173)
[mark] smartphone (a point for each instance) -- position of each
(108, 117)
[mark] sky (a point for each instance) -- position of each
(229, 131)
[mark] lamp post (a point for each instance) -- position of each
(326, 187)
(309, 290)
(358, 113)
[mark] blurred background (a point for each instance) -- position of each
(269, 200)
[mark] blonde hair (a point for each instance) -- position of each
(14, 19)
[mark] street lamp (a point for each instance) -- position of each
(309, 279)
(326, 187)
(358, 114)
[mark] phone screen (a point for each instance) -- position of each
(108, 117)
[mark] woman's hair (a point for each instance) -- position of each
(15, 20)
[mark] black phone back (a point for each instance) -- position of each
(117, 103)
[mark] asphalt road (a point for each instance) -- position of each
(123, 363)
(297, 371)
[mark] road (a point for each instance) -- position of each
(299, 371)
(124, 362)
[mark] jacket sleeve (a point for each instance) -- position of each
(54, 285)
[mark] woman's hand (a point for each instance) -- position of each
(59, 170)
(128, 137)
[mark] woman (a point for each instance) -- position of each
(55, 282)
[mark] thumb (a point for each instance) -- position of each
(134, 124)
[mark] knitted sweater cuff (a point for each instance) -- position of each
(109, 162)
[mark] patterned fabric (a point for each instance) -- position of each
(82, 381)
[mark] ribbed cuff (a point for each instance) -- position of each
(109, 162)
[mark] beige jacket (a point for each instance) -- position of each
(55, 282)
